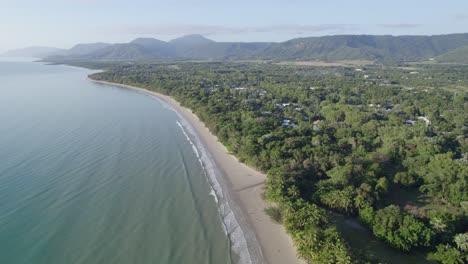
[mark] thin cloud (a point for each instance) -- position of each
(400, 25)
(460, 16)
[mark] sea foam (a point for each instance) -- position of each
(231, 226)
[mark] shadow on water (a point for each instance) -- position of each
(361, 239)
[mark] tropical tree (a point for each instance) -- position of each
(399, 229)
(462, 241)
(447, 254)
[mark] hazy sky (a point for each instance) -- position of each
(63, 23)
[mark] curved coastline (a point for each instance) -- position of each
(242, 187)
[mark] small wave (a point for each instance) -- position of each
(231, 226)
(213, 193)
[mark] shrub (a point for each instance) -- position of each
(447, 254)
(400, 229)
(275, 214)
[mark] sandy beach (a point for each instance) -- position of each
(245, 189)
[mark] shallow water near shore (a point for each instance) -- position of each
(93, 174)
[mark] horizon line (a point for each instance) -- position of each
(209, 38)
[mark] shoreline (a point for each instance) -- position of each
(244, 187)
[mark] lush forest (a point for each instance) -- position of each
(459, 55)
(385, 146)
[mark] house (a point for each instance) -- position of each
(410, 122)
(288, 123)
(279, 106)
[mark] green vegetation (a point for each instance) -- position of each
(275, 214)
(459, 55)
(366, 47)
(383, 145)
(456, 254)
(399, 229)
(445, 178)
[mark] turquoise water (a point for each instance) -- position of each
(98, 174)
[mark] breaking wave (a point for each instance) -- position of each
(231, 226)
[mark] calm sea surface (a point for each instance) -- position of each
(98, 174)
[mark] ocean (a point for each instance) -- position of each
(92, 173)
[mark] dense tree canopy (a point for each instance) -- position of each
(335, 139)
(399, 229)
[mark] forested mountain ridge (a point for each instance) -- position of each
(326, 48)
(367, 47)
(459, 55)
(82, 49)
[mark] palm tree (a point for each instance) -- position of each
(462, 241)
(438, 224)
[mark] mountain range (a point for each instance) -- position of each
(443, 48)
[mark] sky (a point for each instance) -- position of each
(64, 23)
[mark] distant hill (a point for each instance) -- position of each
(459, 55)
(191, 40)
(81, 49)
(327, 48)
(366, 47)
(32, 52)
(221, 50)
(126, 52)
(187, 47)
(155, 47)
